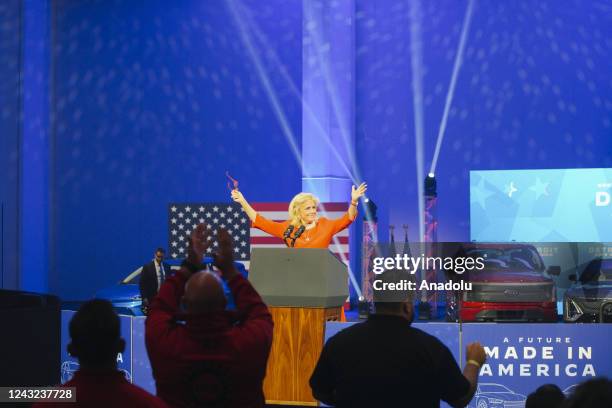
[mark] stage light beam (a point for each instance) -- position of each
(416, 56)
(451, 89)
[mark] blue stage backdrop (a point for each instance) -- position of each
(533, 92)
(153, 103)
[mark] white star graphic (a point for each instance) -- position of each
(174, 244)
(215, 208)
(173, 209)
(510, 189)
(174, 254)
(236, 214)
(201, 220)
(187, 208)
(208, 214)
(201, 209)
(243, 232)
(230, 209)
(181, 250)
(187, 220)
(181, 215)
(216, 220)
(181, 238)
(243, 255)
(173, 220)
(173, 232)
(181, 226)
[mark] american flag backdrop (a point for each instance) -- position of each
(183, 218)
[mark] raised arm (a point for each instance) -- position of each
(476, 357)
(239, 198)
(356, 194)
(256, 322)
(160, 323)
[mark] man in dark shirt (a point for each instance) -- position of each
(383, 362)
(206, 356)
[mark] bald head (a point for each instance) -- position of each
(204, 293)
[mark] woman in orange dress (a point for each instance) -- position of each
(317, 232)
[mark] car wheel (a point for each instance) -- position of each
(482, 404)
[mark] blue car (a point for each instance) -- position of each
(125, 296)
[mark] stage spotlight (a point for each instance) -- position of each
(370, 210)
(431, 186)
(364, 308)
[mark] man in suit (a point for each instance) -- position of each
(152, 276)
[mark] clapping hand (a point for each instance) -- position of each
(199, 241)
(358, 192)
(224, 258)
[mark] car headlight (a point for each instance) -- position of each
(573, 311)
(495, 401)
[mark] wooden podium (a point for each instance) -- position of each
(303, 288)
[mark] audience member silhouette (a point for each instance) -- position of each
(95, 340)
(546, 396)
(595, 393)
(384, 362)
(205, 355)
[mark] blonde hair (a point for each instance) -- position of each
(296, 205)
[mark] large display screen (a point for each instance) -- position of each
(541, 205)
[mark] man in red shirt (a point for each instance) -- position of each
(96, 341)
(205, 355)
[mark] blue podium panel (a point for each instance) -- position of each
(69, 364)
(143, 375)
(522, 357)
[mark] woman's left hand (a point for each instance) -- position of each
(357, 193)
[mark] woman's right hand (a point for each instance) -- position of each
(237, 196)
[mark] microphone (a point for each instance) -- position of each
(299, 232)
(287, 234)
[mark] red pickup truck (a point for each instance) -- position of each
(513, 286)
